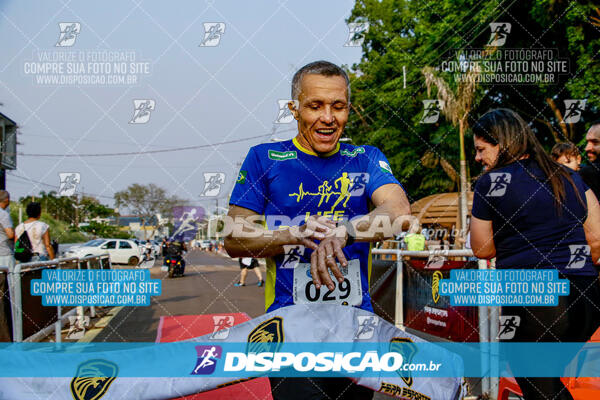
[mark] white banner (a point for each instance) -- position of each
(298, 323)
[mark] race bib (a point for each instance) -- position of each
(349, 292)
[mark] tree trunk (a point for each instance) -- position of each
(463, 182)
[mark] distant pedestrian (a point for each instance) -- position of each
(163, 247)
(566, 154)
(415, 240)
(38, 232)
(7, 233)
(247, 263)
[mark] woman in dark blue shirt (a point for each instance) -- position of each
(532, 213)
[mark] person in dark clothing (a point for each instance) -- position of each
(567, 154)
(163, 247)
(543, 217)
(591, 172)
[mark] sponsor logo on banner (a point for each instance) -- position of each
(579, 254)
(93, 378)
(366, 326)
(186, 222)
(212, 34)
(68, 33)
(142, 108)
(207, 359)
(435, 286)
(407, 349)
(356, 34)
(68, 183)
(433, 315)
(573, 110)
(292, 255)
(404, 392)
(353, 153)
(241, 179)
(262, 337)
(284, 115)
(499, 183)
(508, 326)
(213, 181)
(500, 31)
(431, 111)
(222, 323)
(282, 155)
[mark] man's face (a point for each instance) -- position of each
(592, 148)
(5, 203)
(322, 112)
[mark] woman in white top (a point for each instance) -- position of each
(38, 232)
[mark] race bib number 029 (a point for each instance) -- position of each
(348, 292)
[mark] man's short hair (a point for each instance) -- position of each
(564, 149)
(321, 67)
(595, 124)
(4, 195)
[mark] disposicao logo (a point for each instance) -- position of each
(319, 362)
(207, 359)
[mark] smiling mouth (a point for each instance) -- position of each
(326, 132)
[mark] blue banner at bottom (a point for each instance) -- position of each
(375, 359)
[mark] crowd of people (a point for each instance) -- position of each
(565, 153)
(530, 210)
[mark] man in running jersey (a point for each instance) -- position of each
(308, 180)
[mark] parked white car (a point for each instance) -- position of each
(155, 247)
(120, 251)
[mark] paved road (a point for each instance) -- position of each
(206, 288)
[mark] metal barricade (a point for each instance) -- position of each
(487, 316)
(5, 321)
(21, 277)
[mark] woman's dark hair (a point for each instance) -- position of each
(34, 210)
(564, 149)
(515, 139)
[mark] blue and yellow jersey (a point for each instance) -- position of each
(288, 183)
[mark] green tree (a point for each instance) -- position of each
(146, 201)
(417, 34)
(103, 230)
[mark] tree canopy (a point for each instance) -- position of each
(420, 34)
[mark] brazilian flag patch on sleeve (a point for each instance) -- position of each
(242, 177)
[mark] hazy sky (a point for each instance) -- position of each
(201, 94)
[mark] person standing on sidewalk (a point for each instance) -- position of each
(39, 233)
(7, 233)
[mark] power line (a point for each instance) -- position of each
(132, 153)
(53, 186)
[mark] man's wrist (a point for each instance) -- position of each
(350, 232)
(284, 237)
